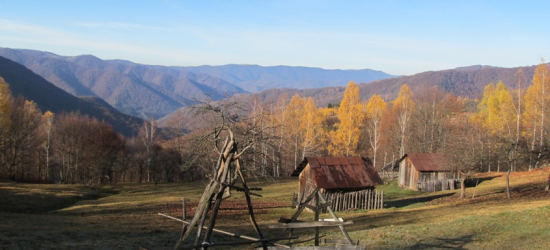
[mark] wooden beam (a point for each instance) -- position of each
(311, 224)
(323, 248)
(320, 206)
(339, 241)
(281, 246)
(285, 220)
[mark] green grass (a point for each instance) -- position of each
(393, 192)
(35, 216)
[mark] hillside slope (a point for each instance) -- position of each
(23, 82)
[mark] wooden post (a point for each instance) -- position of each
(317, 218)
(382, 195)
(365, 199)
(184, 209)
(375, 201)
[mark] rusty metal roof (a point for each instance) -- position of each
(429, 162)
(341, 172)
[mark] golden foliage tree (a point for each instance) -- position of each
(345, 138)
(294, 112)
(496, 111)
(311, 127)
(403, 107)
(537, 99)
(375, 110)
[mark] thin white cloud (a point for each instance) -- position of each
(20, 32)
(120, 25)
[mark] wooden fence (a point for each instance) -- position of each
(388, 175)
(438, 185)
(365, 199)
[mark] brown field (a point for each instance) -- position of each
(40, 216)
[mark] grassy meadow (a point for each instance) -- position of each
(40, 216)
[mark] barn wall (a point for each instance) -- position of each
(409, 177)
(306, 183)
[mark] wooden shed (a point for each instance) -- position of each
(339, 179)
(427, 172)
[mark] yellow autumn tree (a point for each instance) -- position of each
(496, 111)
(311, 128)
(403, 107)
(537, 100)
(345, 138)
(294, 112)
(375, 110)
(496, 115)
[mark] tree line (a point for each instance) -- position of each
(506, 129)
(503, 130)
(73, 148)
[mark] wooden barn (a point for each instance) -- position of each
(346, 181)
(427, 172)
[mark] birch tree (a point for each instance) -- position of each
(148, 137)
(295, 110)
(403, 107)
(537, 99)
(310, 126)
(375, 110)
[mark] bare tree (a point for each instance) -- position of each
(148, 137)
(465, 149)
(21, 139)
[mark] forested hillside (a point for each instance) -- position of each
(504, 129)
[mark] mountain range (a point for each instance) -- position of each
(154, 91)
(105, 87)
(467, 81)
(23, 82)
(255, 78)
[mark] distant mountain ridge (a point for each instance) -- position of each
(23, 82)
(155, 91)
(255, 78)
(464, 81)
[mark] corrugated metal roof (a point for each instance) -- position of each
(341, 172)
(425, 162)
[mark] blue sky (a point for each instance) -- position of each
(397, 37)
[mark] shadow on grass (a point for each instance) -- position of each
(476, 181)
(444, 243)
(27, 201)
(407, 202)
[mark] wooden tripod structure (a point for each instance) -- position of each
(227, 172)
(319, 203)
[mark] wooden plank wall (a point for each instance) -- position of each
(365, 199)
(438, 185)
